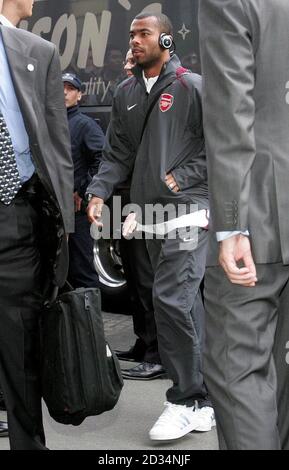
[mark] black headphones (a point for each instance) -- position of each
(166, 41)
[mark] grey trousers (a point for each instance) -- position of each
(179, 315)
(239, 363)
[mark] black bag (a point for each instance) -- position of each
(80, 373)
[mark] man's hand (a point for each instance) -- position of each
(94, 210)
(233, 250)
(77, 202)
(129, 226)
(171, 183)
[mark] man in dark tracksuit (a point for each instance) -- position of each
(86, 144)
(168, 167)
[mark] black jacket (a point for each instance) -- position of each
(87, 141)
(173, 140)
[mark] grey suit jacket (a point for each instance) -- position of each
(245, 60)
(36, 75)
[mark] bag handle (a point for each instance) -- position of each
(54, 293)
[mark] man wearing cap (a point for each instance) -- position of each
(86, 144)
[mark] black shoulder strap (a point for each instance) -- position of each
(152, 105)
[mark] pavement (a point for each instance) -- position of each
(126, 426)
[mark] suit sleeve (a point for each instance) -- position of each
(229, 109)
(56, 120)
(117, 159)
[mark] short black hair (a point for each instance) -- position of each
(164, 22)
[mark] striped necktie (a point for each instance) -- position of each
(9, 174)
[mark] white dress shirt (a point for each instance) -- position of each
(6, 22)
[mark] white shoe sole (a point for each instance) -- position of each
(170, 437)
(206, 428)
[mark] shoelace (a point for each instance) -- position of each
(171, 411)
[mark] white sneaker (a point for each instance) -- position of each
(176, 421)
(206, 419)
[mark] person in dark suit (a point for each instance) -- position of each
(11, 14)
(36, 213)
(140, 278)
(245, 56)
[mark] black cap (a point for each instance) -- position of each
(73, 80)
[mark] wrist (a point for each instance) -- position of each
(92, 197)
(88, 197)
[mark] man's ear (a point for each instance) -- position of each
(79, 94)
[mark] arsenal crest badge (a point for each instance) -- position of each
(166, 102)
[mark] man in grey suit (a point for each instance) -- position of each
(36, 212)
(245, 57)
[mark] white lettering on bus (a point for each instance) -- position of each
(93, 37)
